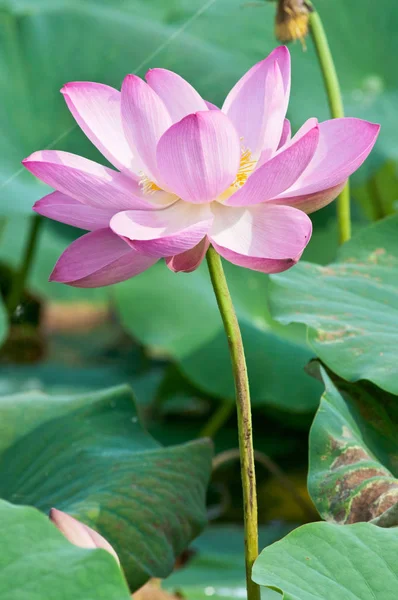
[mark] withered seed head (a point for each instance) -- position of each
(291, 22)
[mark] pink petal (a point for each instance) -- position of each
(265, 237)
(145, 118)
(265, 265)
(266, 155)
(304, 129)
(211, 106)
(343, 146)
(179, 97)
(164, 232)
(85, 180)
(279, 173)
(286, 134)
(80, 534)
(188, 261)
(199, 156)
(257, 104)
(59, 207)
(309, 203)
(96, 108)
(97, 259)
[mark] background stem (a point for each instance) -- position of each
(217, 419)
(245, 433)
(21, 275)
(336, 109)
(274, 469)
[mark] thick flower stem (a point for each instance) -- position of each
(21, 275)
(245, 434)
(336, 109)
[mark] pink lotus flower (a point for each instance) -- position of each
(190, 174)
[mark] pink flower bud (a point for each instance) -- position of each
(79, 534)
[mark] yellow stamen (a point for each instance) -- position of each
(245, 168)
(148, 186)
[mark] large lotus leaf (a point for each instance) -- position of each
(56, 378)
(350, 306)
(354, 454)
(45, 44)
(178, 315)
(88, 456)
(37, 562)
(322, 560)
(215, 565)
(3, 322)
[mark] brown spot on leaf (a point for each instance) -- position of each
(338, 335)
(375, 255)
(366, 505)
(328, 271)
(355, 478)
(357, 351)
(388, 499)
(350, 456)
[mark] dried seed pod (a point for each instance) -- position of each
(291, 22)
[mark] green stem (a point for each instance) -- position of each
(336, 109)
(21, 276)
(245, 433)
(378, 209)
(217, 419)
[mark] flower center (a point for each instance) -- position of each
(245, 168)
(148, 186)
